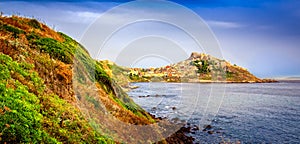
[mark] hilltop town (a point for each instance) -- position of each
(199, 67)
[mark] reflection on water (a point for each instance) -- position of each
(253, 113)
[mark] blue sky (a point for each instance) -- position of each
(260, 35)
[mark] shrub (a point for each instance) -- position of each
(32, 36)
(34, 23)
(229, 74)
(55, 49)
(20, 120)
(15, 31)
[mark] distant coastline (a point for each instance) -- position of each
(288, 80)
(198, 68)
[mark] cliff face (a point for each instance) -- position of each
(38, 101)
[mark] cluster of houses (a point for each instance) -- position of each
(182, 70)
(163, 72)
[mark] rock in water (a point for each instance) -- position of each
(210, 132)
(207, 127)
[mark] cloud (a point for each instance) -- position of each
(224, 24)
(87, 14)
(85, 17)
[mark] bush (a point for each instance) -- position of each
(32, 36)
(65, 122)
(20, 120)
(15, 31)
(55, 49)
(34, 23)
(229, 74)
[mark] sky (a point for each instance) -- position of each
(260, 35)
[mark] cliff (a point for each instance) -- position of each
(43, 96)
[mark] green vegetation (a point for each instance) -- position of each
(19, 109)
(37, 101)
(66, 51)
(61, 51)
(34, 23)
(202, 65)
(118, 95)
(29, 115)
(134, 77)
(64, 122)
(15, 31)
(229, 74)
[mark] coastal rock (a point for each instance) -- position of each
(207, 127)
(180, 138)
(195, 55)
(175, 120)
(195, 128)
(154, 109)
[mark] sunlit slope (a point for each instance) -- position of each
(38, 101)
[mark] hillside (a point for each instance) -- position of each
(197, 68)
(52, 91)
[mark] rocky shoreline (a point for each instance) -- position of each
(181, 137)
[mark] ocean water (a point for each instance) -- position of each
(247, 113)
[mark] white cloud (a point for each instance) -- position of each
(85, 17)
(224, 24)
(87, 14)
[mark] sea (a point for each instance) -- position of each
(228, 113)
